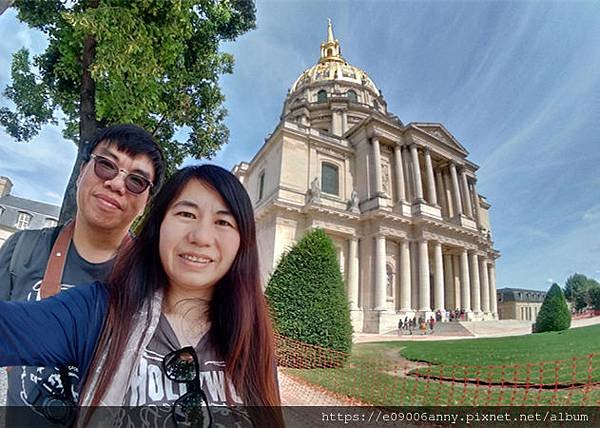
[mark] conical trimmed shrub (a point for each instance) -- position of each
(554, 314)
(307, 297)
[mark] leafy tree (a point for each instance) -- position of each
(577, 290)
(307, 297)
(573, 285)
(554, 314)
(594, 295)
(151, 62)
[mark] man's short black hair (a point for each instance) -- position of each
(133, 140)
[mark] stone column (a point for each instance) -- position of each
(449, 301)
(448, 193)
(344, 121)
(438, 277)
(399, 170)
(408, 177)
(457, 284)
(430, 178)
(485, 286)
(476, 203)
(467, 194)
(405, 292)
(414, 274)
(424, 276)
(465, 284)
(439, 184)
(493, 298)
(377, 167)
(380, 273)
(353, 272)
(475, 291)
(336, 122)
(455, 190)
(416, 173)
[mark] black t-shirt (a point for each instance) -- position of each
(25, 383)
(154, 394)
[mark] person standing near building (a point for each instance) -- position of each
(121, 171)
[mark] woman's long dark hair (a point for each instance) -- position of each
(240, 326)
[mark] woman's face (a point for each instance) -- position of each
(199, 240)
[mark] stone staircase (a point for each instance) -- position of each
(451, 328)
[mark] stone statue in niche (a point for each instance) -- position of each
(314, 193)
(385, 178)
(353, 202)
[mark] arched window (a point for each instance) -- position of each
(330, 182)
(352, 96)
(322, 96)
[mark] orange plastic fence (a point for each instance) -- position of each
(312, 375)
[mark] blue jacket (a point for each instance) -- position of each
(60, 330)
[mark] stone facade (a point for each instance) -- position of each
(20, 213)
(398, 200)
(519, 303)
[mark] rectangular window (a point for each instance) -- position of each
(23, 221)
(330, 178)
(50, 222)
(261, 185)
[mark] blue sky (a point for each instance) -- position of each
(517, 83)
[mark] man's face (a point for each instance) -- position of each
(107, 204)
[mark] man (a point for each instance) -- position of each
(123, 169)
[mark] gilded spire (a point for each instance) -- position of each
(330, 38)
(330, 50)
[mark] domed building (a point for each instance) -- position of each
(398, 200)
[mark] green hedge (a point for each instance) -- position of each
(554, 314)
(307, 295)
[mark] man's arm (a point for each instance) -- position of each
(6, 252)
(60, 330)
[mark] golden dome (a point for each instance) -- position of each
(332, 66)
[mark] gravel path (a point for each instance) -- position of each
(3, 386)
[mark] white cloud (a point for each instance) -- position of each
(592, 214)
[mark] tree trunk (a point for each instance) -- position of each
(5, 4)
(88, 125)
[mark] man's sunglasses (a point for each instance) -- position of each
(191, 409)
(106, 169)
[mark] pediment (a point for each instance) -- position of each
(441, 134)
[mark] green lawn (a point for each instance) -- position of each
(475, 371)
(531, 348)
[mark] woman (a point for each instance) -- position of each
(183, 308)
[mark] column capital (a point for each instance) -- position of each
(427, 150)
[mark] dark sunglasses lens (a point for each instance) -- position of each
(105, 169)
(181, 366)
(136, 184)
(192, 410)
